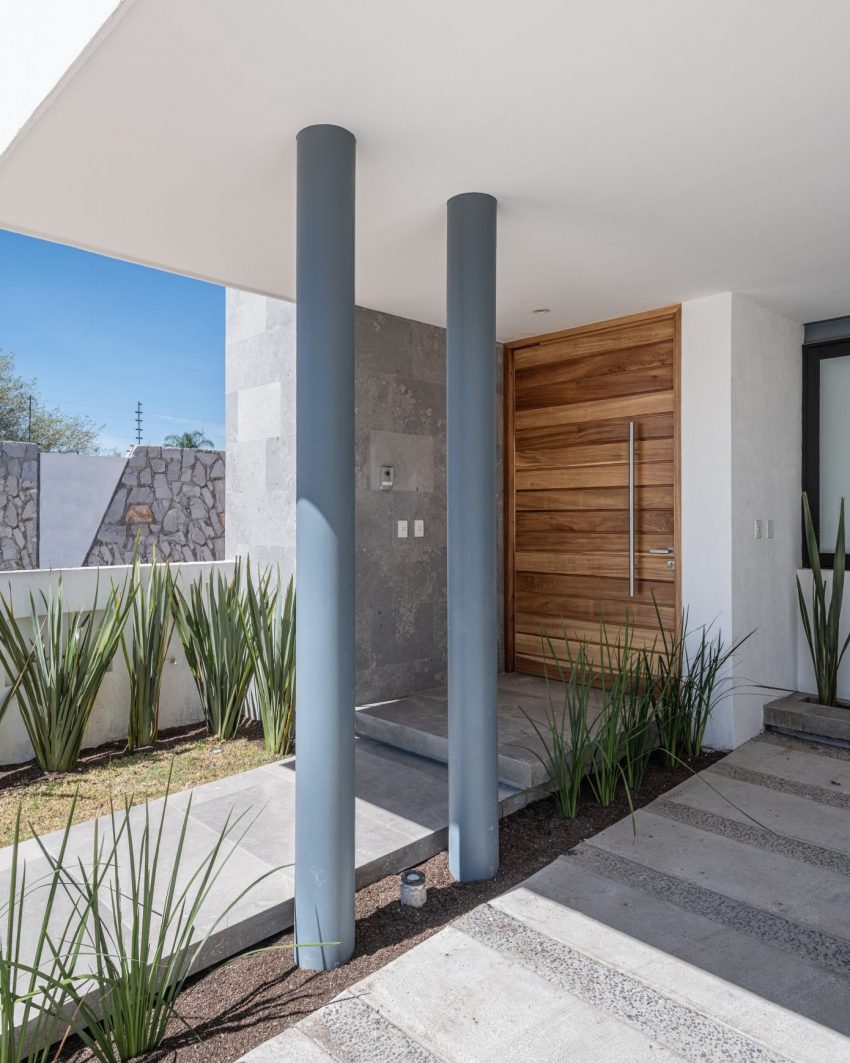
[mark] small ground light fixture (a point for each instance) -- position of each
(413, 891)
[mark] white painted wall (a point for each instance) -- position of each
(179, 699)
(75, 490)
(766, 484)
(706, 457)
(741, 447)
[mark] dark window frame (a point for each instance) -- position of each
(813, 355)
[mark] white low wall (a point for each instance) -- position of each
(805, 671)
(179, 704)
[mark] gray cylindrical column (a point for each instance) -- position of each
(324, 544)
(471, 503)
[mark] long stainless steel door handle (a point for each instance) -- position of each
(631, 509)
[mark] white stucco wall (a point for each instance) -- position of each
(741, 447)
(766, 484)
(706, 456)
(179, 699)
(74, 493)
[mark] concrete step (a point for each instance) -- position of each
(419, 724)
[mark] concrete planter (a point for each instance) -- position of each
(802, 715)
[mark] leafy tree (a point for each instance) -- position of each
(188, 440)
(52, 429)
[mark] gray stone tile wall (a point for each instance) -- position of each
(18, 506)
(400, 404)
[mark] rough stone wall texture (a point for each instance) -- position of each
(172, 500)
(18, 506)
(400, 420)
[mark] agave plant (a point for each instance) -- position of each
(209, 622)
(59, 672)
(821, 625)
(269, 624)
(146, 652)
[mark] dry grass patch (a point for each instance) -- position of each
(107, 774)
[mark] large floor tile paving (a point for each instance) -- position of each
(419, 724)
(678, 934)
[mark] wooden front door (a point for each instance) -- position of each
(592, 528)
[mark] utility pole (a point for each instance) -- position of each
(138, 424)
(29, 423)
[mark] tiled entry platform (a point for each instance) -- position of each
(419, 724)
(714, 928)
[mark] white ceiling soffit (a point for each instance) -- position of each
(642, 153)
(42, 43)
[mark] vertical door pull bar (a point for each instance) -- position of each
(631, 509)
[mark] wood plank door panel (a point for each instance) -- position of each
(569, 398)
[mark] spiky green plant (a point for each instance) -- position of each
(619, 731)
(39, 953)
(690, 675)
(269, 625)
(209, 622)
(821, 625)
(566, 746)
(143, 929)
(60, 669)
(146, 651)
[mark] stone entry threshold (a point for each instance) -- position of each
(712, 928)
(419, 724)
(801, 715)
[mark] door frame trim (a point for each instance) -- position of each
(509, 368)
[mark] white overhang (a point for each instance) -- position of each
(642, 153)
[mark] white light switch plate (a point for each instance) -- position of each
(418, 529)
(402, 529)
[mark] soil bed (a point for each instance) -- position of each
(108, 772)
(237, 1006)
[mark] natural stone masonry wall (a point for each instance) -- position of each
(18, 506)
(172, 500)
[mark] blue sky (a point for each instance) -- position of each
(99, 335)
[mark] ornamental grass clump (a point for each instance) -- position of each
(821, 624)
(268, 620)
(210, 625)
(565, 735)
(41, 939)
(144, 928)
(146, 650)
(59, 670)
(690, 674)
(623, 729)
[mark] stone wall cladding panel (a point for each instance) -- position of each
(400, 403)
(19, 484)
(162, 501)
